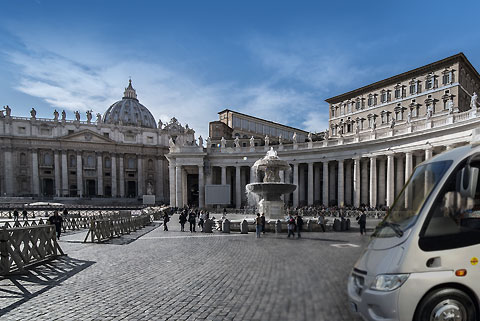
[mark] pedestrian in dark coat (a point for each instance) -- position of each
(362, 221)
(15, 215)
(299, 225)
(25, 215)
(263, 222)
(191, 220)
(166, 219)
(182, 220)
(56, 220)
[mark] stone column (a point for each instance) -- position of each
(381, 182)
(373, 181)
(428, 153)
(356, 182)
(8, 167)
(140, 176)
(390, 181)
(364, 182)
(332, 182)
(253, 175)
(99, 175)
(79, 175)
(348, 183)
(178, 186)
(400, 175)
(35, 177)
(408, 173)
(316, 182)
(224, 175)
(341, 190)
(301, 186)
(310, 184)
(159, 180)
(64, 174)
(114, 174)
(184, 187)
(121, 176)
(172, 185)
(238, 188)
(201, 187)
(295, 181)
(58, 183)
(325, 183)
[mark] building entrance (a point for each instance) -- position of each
(131, 189)
(90, 188)
(47, 187)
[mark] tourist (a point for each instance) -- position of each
(182, 220)
(299, 225)
(291, 226)
(166, 219)
(321, 221)
(65, 212)
(263, 222)
(56, 220)
(258, 225)
(25, 215)
(201, 220)
(362, 221)
(191, 220)
(15, 215)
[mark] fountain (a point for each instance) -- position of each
(271, 188)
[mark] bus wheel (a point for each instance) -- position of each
(446, 305)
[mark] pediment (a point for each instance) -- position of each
(86, 136)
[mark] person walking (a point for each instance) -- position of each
(299, 225)
(56, 220)
(166, 219)
(191, 220)
(321, 221)
(258, 225)
(263, 222)
(15, 215)
(291, 226)
(25, 215)
(362, 221)
(182, 220)
(201, 220)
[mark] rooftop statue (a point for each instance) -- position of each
(55, 115)
(280, 139)
(171, 143)
(294, 138)
(64, 115)
(267, 140)
(252, 142)
(8, 111)
(473, 102)
(429, 112)
(223, 142)
(200, 141)
(89, 115)
(77, 115)
(310, 139)
(409, 117)
(236, 142)
(326, 135)
(392, 124)
(99, 118)
(33, 113)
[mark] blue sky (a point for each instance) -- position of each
(277, 60)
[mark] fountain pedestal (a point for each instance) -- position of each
(272, 209)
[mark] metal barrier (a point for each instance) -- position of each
(104, 229)
(24, 246)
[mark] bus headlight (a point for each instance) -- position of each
(388, 282)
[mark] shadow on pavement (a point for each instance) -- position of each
(16, 290)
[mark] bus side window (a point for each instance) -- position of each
(454, 219)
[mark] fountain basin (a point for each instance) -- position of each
(271, 191)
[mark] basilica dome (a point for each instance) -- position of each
(129, 111)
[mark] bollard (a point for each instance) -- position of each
(310, 225)
(208, 226)
(226, 226)
(337, 225)
(244, 227)
(278, 226)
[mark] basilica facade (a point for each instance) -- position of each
(377, 134)
(120, 154)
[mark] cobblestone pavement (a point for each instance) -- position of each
(190, 276)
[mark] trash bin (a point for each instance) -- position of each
(208, 226)
(244, 227)
(226, 226)
(278, 226)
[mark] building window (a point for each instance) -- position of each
(431, 82)
(333, 111)
(357, 104)
(90, 161)
(398, 92)
(334, 132)
(370, 100)
(23, 159)
(150, 139)
(47, 160)
(73, 161)
(22, 130)
(131, 163)
(447, 77)
(415, 87)
(349, 107)
(108, 162)
(383, 96)
(107, 135)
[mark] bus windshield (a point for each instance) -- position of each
(408, 203)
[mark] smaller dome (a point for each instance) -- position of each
(129, 111)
